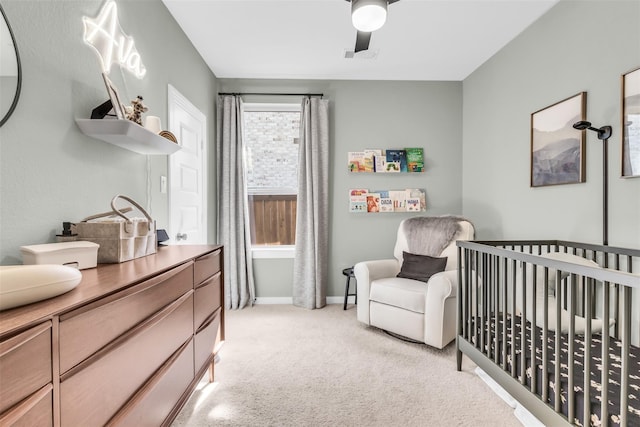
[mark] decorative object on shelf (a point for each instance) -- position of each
(104, 34)
(362, 200)
(386, 161)
(168, 135)
(118, 107)
(631, 124)
(153, 123)
(557, 149)
(102, 110)
(134, 112)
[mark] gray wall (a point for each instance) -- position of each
(49, 171)
(576, 46)
(373, 114)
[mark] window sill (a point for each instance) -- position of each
(272, 252)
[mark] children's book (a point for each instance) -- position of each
(358, 200)
(373, 202)
(415, 159)
(398, 157)
(356, 161)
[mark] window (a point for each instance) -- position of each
(271, 134)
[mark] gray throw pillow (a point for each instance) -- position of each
(420, 267)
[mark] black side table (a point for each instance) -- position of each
(349, 273)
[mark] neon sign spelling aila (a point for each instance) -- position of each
(105, 35)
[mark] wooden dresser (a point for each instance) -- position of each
(126, 347)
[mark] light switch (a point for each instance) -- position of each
(163, 184)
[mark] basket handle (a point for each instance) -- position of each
(134, 203)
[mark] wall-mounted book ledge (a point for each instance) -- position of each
(387, 161)
(385, 201)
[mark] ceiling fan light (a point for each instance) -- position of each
(368, 15)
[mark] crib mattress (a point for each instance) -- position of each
(578, 361)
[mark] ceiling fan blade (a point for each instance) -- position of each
(362, 41)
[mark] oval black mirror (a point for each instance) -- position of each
(10, 70)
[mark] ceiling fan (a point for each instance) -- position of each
(367, 16)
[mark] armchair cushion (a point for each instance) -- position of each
(420, 267)
(406, 294)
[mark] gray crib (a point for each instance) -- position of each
(556, 324)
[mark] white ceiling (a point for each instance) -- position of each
(307, 39)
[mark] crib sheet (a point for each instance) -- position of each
(578, 360)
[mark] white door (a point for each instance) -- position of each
(187, 172)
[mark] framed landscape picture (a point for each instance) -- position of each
(631, 123)
(557, 149)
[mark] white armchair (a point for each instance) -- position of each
(424, 312)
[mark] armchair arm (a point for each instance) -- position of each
(440, 308)
(365, 273)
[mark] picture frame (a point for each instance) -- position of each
(557, 149)
(630, 167)
(118, 107)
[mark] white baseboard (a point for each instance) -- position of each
(525, 417)
(289, 300)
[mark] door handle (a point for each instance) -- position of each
(181, 236)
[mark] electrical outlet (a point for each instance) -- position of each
(163, 184)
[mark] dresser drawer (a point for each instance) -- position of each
(36, 410)
(154, 402)
(206, 266)
(206, 339)
(25, 364)
(95, 390)
(88, 329)
(208, 299)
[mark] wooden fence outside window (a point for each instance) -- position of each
(273, 219)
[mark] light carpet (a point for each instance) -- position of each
(286, 366)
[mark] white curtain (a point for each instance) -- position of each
(310, 270)
(233, 213)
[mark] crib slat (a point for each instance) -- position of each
(513, 319)
(496, 309)
(505, 303)
(523, 327)
(545, 337)
(478, 289)
(586, 413)
(534, 330)
(556, 378)
(624, 371)
(604, 378)
(572, 336)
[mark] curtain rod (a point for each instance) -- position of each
(272, 94)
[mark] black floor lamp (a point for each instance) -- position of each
(603, 134)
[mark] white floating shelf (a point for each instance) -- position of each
(127, 134)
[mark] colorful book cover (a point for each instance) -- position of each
(417, 193)
(413, 204)
(399, 198)
(369, 159)
(415, 159)
(358, 204)
(358, 192)
(397, 157)
(380, 162)
(373, 202)
(386, 204)
(356, 161)
(358, 200)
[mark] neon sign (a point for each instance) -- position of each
(105, 35)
